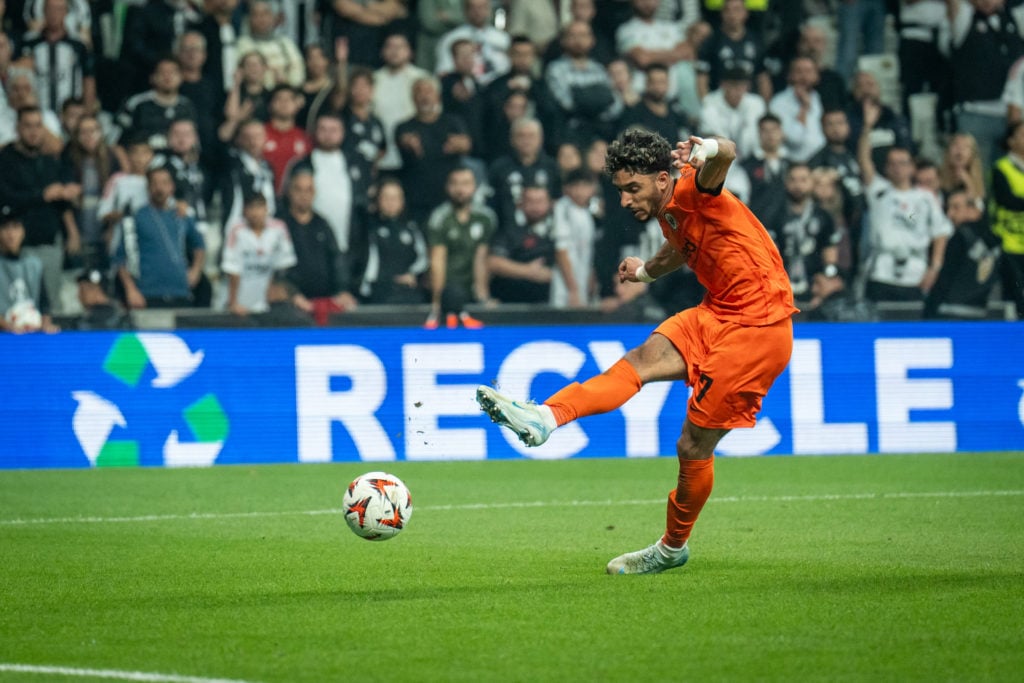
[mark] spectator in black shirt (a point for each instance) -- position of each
(654, 111)
(521, 78)
(149, 33)
(62, 63)
(34, 186)
(892, 129)
(806, 235)
(523, 256)
(397, 252)
(836, 154)
(149, 114)
(216, 27)
(462, 93)
(732, 45)
(766, 169)
(321, 275)
(431, 144)
(970, 268)
(527, 165)
(204, 91)
(364, 142)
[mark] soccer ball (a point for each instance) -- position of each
(23, 317)
(377, 506)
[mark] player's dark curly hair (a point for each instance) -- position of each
(638, 151)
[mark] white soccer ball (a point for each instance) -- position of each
(23, 317)
(377, 506)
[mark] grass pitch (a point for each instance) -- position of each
(840, 568)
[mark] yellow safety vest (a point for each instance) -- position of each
(1009, 225)
(752, 5)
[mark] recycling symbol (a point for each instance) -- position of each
(96, 417)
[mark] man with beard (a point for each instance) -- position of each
(836, 154)
(654, 111)
(806, 235)
(459, 235)
(524, 255)
(160, 255)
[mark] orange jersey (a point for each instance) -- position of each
(730, 252)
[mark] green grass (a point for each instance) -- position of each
(795, 574)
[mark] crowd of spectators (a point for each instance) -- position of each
(299, 159)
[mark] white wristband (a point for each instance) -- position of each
(705, 150)
(642, 276)
(710, 147)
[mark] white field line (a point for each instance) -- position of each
(116, 674)
(516, 505)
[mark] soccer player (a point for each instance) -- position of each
(730, 348)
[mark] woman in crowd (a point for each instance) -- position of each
(961, 167)
(90, 162)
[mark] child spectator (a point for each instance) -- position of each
(24, 306)
(125, 191)
(257, 251)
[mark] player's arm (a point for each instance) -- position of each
(711, 156)
(634, 269)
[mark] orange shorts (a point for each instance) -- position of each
(730, 366)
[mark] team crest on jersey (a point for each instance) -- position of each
(671, 220)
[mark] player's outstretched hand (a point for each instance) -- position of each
(687, 153)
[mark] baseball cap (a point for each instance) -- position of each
(8, 215)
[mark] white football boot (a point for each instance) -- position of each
(531, 422)
(651, 560)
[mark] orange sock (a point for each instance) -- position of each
(599, 394)
(696, 477)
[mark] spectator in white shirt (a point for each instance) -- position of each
(907, 229)
(392, 94)
(257, 251)
(492, 43)
(732, 112)
(800, 110)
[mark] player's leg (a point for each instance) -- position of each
(695, 450)
(730, 381)
(657, 359)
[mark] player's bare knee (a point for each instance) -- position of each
(698, 443)
(657, 360)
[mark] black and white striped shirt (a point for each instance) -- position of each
(61, 68)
